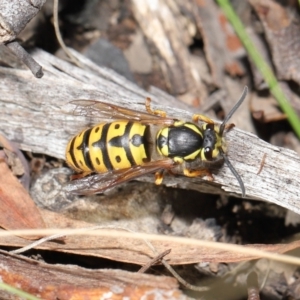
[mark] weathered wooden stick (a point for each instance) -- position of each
(37, 115)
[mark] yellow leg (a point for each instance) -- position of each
(229, 126)
(156, 112)
(197, 118)
(159, 176)
(198, 173)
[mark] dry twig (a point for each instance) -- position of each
(14, 16)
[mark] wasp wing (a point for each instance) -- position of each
(100, 182)
(92, 108)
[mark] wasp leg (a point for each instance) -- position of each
(229, 126)
(156, 112)
(159, 176)
(197, 118)
(198, 173)
(79, 175)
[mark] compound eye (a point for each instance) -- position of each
(208, 153)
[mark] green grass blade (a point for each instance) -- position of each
(261, 65)
(15, 291)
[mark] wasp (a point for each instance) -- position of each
(137, 143)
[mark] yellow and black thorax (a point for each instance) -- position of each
(187, 141)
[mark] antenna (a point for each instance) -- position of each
(236, 106)
(234, 172)
(221, 130)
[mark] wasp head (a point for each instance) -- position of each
(214, 144)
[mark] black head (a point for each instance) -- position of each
(213, 141)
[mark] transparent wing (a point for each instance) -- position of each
(98, 183)
(93, 108)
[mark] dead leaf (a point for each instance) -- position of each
(281, 27)
(71, 282)
(17, 210)
(136, 251)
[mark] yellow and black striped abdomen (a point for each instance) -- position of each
(108, 146)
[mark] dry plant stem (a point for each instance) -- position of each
(174, 273)
(266, 276)
(154, 261)
(51, 238)
(190, 250)
(26, 58)
(38, 242)
(253, 289)
(59, 37)
(164, 262)
(182, 281)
